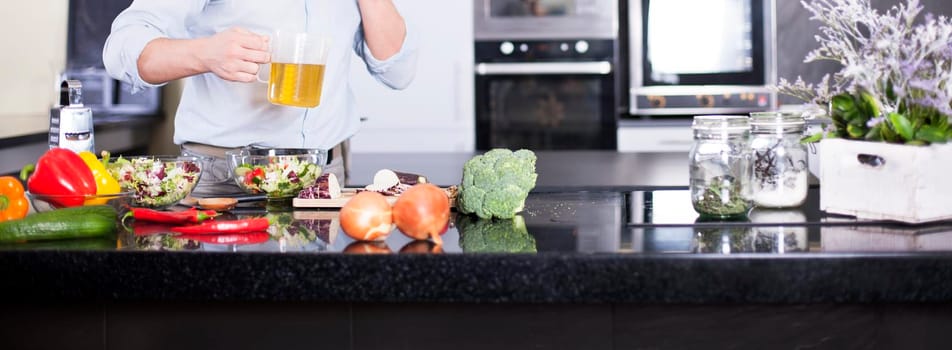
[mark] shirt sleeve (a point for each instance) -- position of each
(397, 71)
(136, 26)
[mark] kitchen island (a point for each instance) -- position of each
(612, 256)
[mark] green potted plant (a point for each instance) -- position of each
(885, 154)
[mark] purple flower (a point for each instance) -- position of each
(871, 123)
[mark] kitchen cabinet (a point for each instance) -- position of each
(435, 113)
(639, 137)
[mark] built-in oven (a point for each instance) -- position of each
(546, 74)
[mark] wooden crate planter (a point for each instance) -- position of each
(877, 180)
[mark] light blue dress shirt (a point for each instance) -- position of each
(221, 113)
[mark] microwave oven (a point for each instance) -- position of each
(691, 57)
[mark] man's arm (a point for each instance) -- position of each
(384, 28)
(233, 55)
(143, 51)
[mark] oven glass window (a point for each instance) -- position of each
(547, 112)
(717, 44)
(532, 8)
(719, 39)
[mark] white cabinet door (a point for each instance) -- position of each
(655, 138)
(435, 113)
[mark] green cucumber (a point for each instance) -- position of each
(95, 243)
(76, 222)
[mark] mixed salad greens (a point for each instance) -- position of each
(281, 177)
(155, 182)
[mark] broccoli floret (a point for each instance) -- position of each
(494, 236)
(470, 199)
(496, 183)
(503, 202)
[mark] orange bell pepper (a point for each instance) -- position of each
(13, 202)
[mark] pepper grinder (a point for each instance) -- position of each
(71, 123)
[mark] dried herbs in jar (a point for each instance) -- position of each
(720, 167)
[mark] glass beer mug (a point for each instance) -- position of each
(298, 61)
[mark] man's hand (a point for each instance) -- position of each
(234, 54)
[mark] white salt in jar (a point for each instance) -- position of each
(778, 160)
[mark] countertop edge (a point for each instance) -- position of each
(477, 278)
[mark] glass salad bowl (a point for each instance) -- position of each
(280, 173)
(156, 181)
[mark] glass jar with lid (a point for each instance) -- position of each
(720, 167)
(779, 165)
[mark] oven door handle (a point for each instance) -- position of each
(590, 68)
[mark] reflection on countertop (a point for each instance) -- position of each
(586, 222)
(575, 222)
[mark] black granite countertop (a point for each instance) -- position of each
(614, 227)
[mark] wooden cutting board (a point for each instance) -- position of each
(346, 195)
(337, 203)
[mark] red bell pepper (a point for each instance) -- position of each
(190, 215)
(225, 226)
(60, 172)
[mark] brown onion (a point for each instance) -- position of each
(421, 247)
(422, 211)
(367, 217)
(367, 248)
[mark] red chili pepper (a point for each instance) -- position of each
(225, 226)
(190, 215)
(234, 238)
(144, 228)
(60, 172)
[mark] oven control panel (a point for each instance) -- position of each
(544, 50)
(661, 101)
(759, 100)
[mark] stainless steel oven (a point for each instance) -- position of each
(546, 74)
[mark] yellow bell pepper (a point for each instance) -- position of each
(105, 183)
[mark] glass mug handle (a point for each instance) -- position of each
(264, 68)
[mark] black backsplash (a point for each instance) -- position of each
(89, 25)
(90, 22)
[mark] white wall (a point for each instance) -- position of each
(436, 112)
(34, 54)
